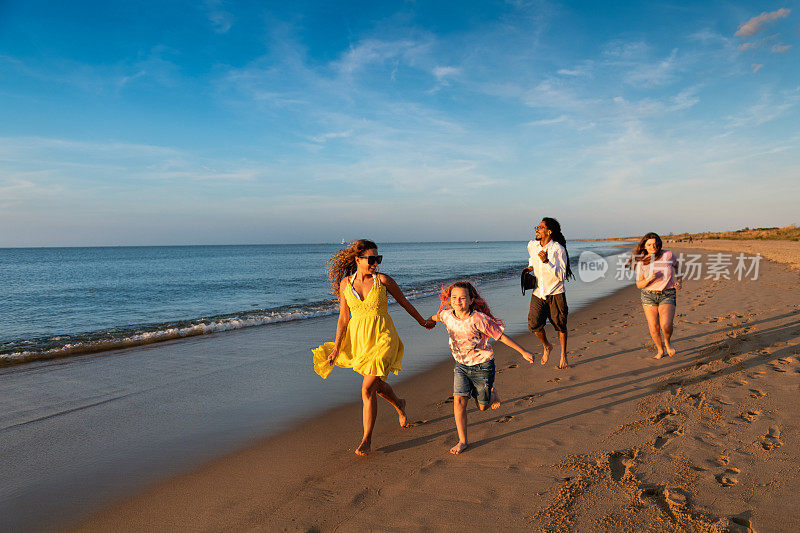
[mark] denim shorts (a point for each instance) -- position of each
(656, 298)
(474, 381)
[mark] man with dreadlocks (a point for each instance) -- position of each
(549, 262)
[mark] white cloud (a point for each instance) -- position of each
(625, 50)
(653, 74)
(375, 51)
(685, 99)
(65, 161)
(220, 19)
(332, 135)
(756, 24)
(757, 67)
(548, 121)
(769, 107)
(446, 72)
(781, 48)
(155, 68)
(747, 46)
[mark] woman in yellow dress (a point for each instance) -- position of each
(366, 339)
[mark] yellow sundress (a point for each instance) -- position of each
(371, 345)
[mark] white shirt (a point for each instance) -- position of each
(550, 276)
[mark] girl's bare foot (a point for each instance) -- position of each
(401, 413)
(563, 364)
(363, 448)
(659, 355)
(546, 353)
(495, 399)
(458, 448)
(671, 351)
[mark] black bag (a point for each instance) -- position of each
(527, 281)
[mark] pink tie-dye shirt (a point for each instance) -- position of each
(663, 267)
(469, 337)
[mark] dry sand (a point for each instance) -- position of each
(703, 441)
(786, 252)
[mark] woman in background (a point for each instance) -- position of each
(656, 276)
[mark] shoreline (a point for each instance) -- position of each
(120, 335)
(695, 435)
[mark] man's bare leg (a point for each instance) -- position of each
(542, 336)
(562, 338)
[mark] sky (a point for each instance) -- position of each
(225, 122)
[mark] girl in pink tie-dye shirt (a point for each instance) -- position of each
(470, 324)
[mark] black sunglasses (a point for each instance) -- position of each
(371, 259)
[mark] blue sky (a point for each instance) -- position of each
(255, 122)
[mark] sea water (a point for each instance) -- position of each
(66, 301)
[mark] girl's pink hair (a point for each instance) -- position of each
(478, 303)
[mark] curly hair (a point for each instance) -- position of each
(343, 262)
(640, 254)
(478, 303)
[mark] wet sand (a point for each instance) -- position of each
(706, 440)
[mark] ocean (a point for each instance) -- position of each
(68, 301)
(120, 367)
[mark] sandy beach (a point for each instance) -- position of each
(703, 441)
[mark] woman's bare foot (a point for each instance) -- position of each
(363, 448)
(546, 353)
(671, 351)
(495, 399)
(458, 448)
(659, 355)
(401, 413)
(563, 364)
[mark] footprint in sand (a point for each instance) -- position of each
(504, 419)
(621, 463)
(512, 366)
(722, 460)
(418, 423)
(554, 380)
(443, 402)
(772, 439)
(530, 398)
(777, 367)
(672, 432)
(724, 401)
(741, 522)
(676, 497)
(756, 393)
(750, 416)
(697, 400)
(728, 477)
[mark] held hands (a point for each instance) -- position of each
(543, 256)
(428, 324)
